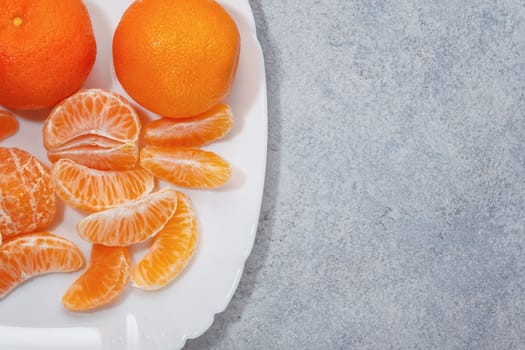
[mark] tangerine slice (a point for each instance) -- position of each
(30, 255)
(94, 190)
(121, 157)
(190, 132)
(103, 282)
(8, 124)
(130, 223)
(96, 128)
(186, 167)
(27, 199)
(171, 251)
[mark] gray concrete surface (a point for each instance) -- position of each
(393, 214)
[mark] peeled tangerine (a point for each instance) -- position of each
(96, 128)
(27, 199)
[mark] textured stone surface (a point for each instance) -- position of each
(393, 214)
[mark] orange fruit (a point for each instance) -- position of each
(30, 255)
(190, 132)
(47, 49)
(186, 167)
(103, 282)
(176, 58)
(94, 190)
(27, 199)
(171, 251)
(130, 223)
(96, 128)
(8, 124)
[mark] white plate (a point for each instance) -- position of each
(32, 317)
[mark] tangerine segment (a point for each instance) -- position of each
(27, 198)
(171, 250)
(190, 132)
(8, 124)
(103, 281)
(130, 223)
(186, 167)
(94, 190)
(120, 158)
(96, 128)
(30, 255)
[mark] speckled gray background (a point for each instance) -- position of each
(393, 213)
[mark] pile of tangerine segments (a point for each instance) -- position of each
(92, 139)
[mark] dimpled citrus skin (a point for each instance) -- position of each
(176, 58)
(47, 49)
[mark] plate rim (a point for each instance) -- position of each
(253, 233)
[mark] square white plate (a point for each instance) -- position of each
(32, 316)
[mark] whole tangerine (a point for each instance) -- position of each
(176, 58)
(47, 50)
